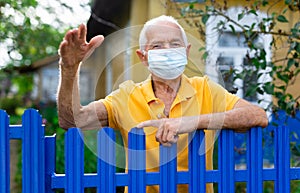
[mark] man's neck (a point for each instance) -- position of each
(166, 86)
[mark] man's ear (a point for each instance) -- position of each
(142, 56)
(188, 49)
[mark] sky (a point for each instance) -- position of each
(80, 14)
(73, 19)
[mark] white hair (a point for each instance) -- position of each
(163, 18)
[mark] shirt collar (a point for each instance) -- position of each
(186, 90)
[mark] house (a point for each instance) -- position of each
(46, 78)
(119, 61)
(115, 60)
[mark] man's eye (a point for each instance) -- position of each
(157, 46)
(175, 45)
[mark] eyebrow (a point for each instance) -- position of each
(173, 40)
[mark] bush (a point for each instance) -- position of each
(10, 104)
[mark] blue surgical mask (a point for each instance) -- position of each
(167, 64)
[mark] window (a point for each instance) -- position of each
(86, 86)
(226, 65)
(228, 39)
(227, 53)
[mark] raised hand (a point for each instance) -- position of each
(74, 48)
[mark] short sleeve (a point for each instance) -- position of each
(107, 101)
(221, 98)
(116, 105)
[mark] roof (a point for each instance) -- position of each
(44, 62)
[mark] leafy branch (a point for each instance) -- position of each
(283, 71)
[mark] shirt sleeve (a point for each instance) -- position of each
(107, 101)
(221, 98)
(116, 104)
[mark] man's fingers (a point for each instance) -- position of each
(82, 31)
(150, 123)
(172, 137)
(159, 135)
(62, 47)
(167, 144)
(74, 36)
(163, 136)
(68, 36)
(96, 41)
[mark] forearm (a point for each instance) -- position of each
(71, 113)
(237, 118)
(68, 99)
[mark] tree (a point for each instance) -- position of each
(283, 71)
(26, 38)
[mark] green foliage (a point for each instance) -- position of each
(27, 39)
(283, 71)
(24, 84)
(10, 104)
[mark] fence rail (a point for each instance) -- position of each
(38, 159)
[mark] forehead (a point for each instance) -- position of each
(165, 32)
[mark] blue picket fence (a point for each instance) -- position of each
(38, 161)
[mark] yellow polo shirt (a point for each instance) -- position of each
(133, 103)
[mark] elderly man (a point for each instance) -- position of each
(168, 104)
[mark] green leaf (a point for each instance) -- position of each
(297, 47)
(287, 1)
(232, 29)
(252, 11)
(282, 19)
(252, 90)
(269, 88)
(265, 2)
(205, 18)
(290, 63)
(260, 91)
(283, 77)
(280, 88)
(192, 6)
(278, 95)
(205, 55)
(201, 49)
(240, 16)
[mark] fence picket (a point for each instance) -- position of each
(106, 160)
(74, 161)
(197, 162)
(254, 160)
(50, 165)
(136, 161)
(168, 169)
(33, 149)
(4, 153)
(226, 161)
(282, 159)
